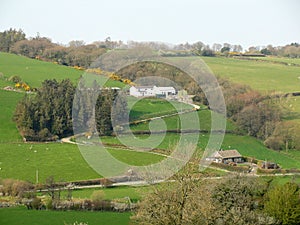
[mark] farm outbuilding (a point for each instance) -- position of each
(270, 165)
(227, 156)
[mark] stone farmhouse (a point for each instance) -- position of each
(227, 156)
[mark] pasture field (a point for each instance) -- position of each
(22, 216)
(153, 107)
(8, 102)
(135, 158)
(134, 193)
(63, 161)
(261, 76)
(174, 122)
(34, 72)
(247, 146)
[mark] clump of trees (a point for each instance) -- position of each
(42, 48)
(233, 200)
(291, 50)
(47, 115)
(9, 37)
(107, 106)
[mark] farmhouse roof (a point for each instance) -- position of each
(229, 154)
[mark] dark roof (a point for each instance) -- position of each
(229, 154)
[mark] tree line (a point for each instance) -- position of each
(48, 114)
(78, 53)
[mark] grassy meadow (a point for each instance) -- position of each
(8, 102)
(63, 161)
(134, 193)
(262, 76)
(34, 72)
(22, 216)
(153, 107)
(174, 122)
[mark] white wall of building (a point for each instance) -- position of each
(145, 91)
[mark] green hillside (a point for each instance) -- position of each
(33, 71)
(262, 76)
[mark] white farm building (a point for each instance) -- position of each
(144, 91)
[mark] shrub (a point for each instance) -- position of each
(251, 160)
(87, 204)
(7, 186)
(76, 205)
(73, 139)
(49, 204)
(21, 188)
(102, 205)
(97, 195)
(106, 182)
(36, 203)
(15, 79)
(274, 143)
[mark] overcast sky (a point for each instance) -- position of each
(245, 22)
